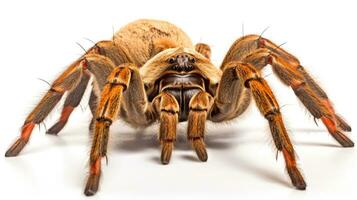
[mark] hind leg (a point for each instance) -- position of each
(70, 80)
(66, 82)
(93, 106)
(306, 89)
(72, 101)
(259, 52)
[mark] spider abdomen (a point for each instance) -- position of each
(143, 38)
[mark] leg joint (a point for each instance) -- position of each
(120, 76)
(296, 85)
(255, 78)
(56, 90)
(105, 120)
(169, 111)
(168, 103)
(201, 102)
(271, 114)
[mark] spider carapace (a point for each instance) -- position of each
(151, 72)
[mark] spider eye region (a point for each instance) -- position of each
(182, 62)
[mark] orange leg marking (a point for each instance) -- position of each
(294, 173)
(66, 112)
(20, 143)
(337, 134)
(93, 179)
(27, 130)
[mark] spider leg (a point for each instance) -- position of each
(107, 111)
(123, 92)
(92, 105)
(199, 106)
(169, 109)
(97, 65)
(66, 82)
(203, 49)
(103, 48)
(341, 123)
(98, 61)
(269, 108)
(231, 98)
(306, 89)
(72, 101)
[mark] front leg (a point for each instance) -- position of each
(231, 98)
(168, 107)
(245, 77)
(199, 106)
(120, 84)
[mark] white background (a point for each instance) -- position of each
(38, 40)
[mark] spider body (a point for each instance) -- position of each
(151, 72)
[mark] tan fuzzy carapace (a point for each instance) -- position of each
(150, 72)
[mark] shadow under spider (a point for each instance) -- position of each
(138, 140)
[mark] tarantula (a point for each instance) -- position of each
(151, 72)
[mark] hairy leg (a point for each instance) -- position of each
(199, 106)
(93, 106)
(107, 49)
(67, 81)
(72, 101)
(317, 89)
(121, 83)
(103, 48)
(169, 109)
(97, 62)
(306, 89)
(231, 98)
(248, 77)
(107, 111)
(203, 49)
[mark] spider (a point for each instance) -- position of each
(151, 72)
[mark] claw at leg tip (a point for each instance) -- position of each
(166, 152)
(343, 139)
(55, 129)
(348, 144)
(202, 155)
(10, 154)
(165, 158)
(200, 149)
(165, 162)
(51, 133)
(16, 148)
(92, 185)
(301, 187)
(89, 192)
